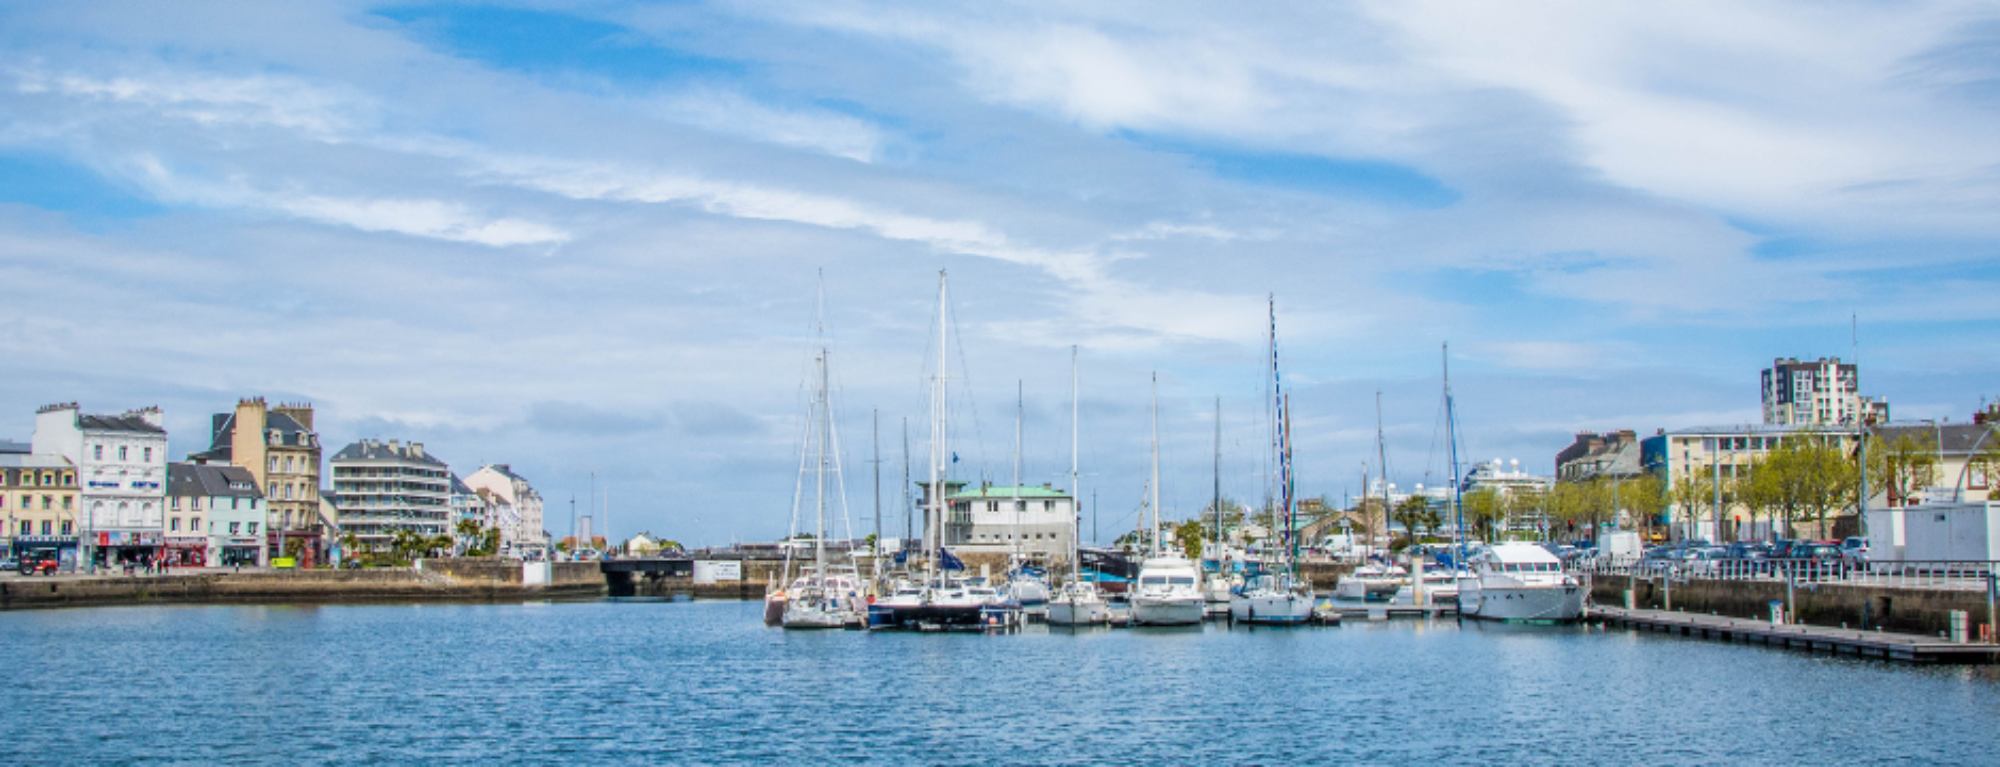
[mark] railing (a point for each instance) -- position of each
(1962, 575)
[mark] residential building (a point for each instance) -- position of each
(1031, 519)
(517, 512)
(280, 449)
(38, 497)
(467, 505)
(1612, 455)
(214, 516)
(1822, 392)
(1503, 477)
(121, 465)
(1705, 453)
(383, 487)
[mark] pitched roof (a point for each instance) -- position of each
(130, 422)
(376, 450)
(10, 447)
(1958, 438)
(33, 461)
(458, 485)
(211, 480)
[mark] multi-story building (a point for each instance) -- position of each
(1612, 455)
(280, 449)
(1707, 453)
(518, 509)
(1004, 519)
(1823, 392)
(214, 514)
(382, 487)
(467, 505)
(39, 502)
(121, 465)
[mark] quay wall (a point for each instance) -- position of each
(1902, 610)
(291, 586)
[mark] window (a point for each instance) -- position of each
(174, 525)
(288, 464)
(253, 528)
(26, 527)
(66, 529)
(97, 452)
(121, 453)
(235, 527)
(68, 500)
(274, 464)
(194, 524)
(149, 455)
(175, 503)
(69, 480)
(45, 527)
(232, 503)
(48, 502)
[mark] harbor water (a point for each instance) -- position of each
(667, 682)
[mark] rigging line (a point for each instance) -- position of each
(839, 476)
(971, 400)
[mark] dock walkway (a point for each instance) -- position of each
(1911, 648)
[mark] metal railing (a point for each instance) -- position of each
(1967, 575)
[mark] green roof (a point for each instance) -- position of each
(1028, 491)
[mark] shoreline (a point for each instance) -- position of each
(375, 585)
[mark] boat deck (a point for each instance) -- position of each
(1910, 648)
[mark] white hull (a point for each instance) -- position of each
(1523, 603)
(1271, 608)
(820, 614)
(1368, 589)
(1079, 613)
(1167, 611)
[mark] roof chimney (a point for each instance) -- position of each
(417, 449)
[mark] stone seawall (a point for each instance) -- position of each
(1903, 610)
(296, 586)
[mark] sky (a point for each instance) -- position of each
(603, 241)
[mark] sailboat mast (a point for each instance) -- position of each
(1075, 488)
(875, 447)
(1019, 407)
(1156, 464)
(1382, 462)
(1451, 436)
(934, 516)
(1215, 503)
(825, 435)
(907, 506)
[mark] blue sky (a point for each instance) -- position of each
(585, 237)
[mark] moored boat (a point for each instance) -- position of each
(1520, 582)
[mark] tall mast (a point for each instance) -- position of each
(875, 446)
(1382, 463)
(1156, 464)
(1075, 489)
(819, 511)
(1019, 407)
(1215, 505)
(934, 516)
(1451, 436)
(907, 506)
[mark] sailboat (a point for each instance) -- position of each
(826, 596)
(940, 600)
(1078, 603)
(1375, 581)
(1277, 596)
(1169, 589)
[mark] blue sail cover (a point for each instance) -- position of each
(949, 562)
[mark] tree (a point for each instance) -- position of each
(1411, 513)
(1692, 493)
(1903, 467)
(1191, 533)
(1484, 508)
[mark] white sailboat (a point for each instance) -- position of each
(1217, 583)
(1278, 596)
(1077, 603)
(824, 598)
(938, 599)
(1375, 581)
(1168, 592)
(1025, 584)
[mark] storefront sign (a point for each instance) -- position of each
(114, 538)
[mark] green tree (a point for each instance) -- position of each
(1411, 513)
(1484, 509)
(1191, 533)
(1903, 467)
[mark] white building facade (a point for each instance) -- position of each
(1034, 520)
(1822, 392)
(122, 476)
(517, 509)
(382, 487)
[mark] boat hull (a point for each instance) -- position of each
(774, 609)
(1553, 603)
(1368, 589)
(1167, 611)
(887, 616)
(1271, 609)
(1064, 612)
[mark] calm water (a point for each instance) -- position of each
(651, 682)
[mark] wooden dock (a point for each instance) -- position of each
(1910, 648)
(1383, 611)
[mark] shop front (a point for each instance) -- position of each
(240, 551)
(63, 548)
(127, 549)
(301, 546)
(185, 551)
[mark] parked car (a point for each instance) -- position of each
(1815, 560)
(1855, 550)
(1782, 548)
(7, 562)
